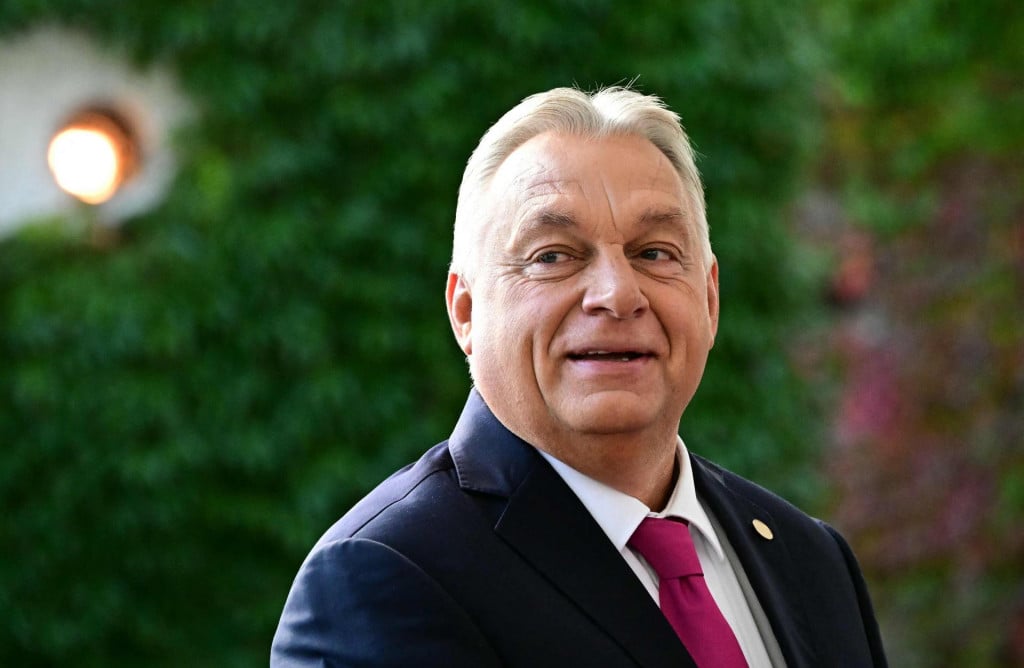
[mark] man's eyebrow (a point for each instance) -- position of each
(552, 218)
(540, 222)
(671, 216)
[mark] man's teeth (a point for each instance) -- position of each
(604, 354)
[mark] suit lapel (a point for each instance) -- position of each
(767, 563)
(551, 529)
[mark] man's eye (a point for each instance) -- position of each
(549, 257)
(655, 254)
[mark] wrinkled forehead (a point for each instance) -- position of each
(558, 170)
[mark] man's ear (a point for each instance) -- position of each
(460, 310)
(713, 304)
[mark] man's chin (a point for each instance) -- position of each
(615, 412)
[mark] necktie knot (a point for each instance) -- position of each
(667, 546)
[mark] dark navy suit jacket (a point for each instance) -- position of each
(479, 555)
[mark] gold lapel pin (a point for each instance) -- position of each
(762, 529)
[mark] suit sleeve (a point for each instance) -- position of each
(357, 602)
(867, 612)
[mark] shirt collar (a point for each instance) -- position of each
(619, 514)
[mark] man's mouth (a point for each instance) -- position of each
(607, 356)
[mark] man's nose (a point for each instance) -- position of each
(613, 288)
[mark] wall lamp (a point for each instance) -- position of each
(93, 154)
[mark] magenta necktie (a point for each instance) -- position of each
(685, 600)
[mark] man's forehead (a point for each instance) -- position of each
(556, 181)
(529, 186)
(540, 192)
(538, 177)
(547, 158)
(554, 164)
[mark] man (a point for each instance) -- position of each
(584, 293)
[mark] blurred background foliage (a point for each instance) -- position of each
(919, 198)
(188, 401)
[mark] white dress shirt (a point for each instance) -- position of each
(619, 515)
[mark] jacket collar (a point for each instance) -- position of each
(488, 457)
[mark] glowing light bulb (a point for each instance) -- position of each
(91, 157)
(84, 163)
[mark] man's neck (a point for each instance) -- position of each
(633, 466)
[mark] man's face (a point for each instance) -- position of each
(589, 310)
